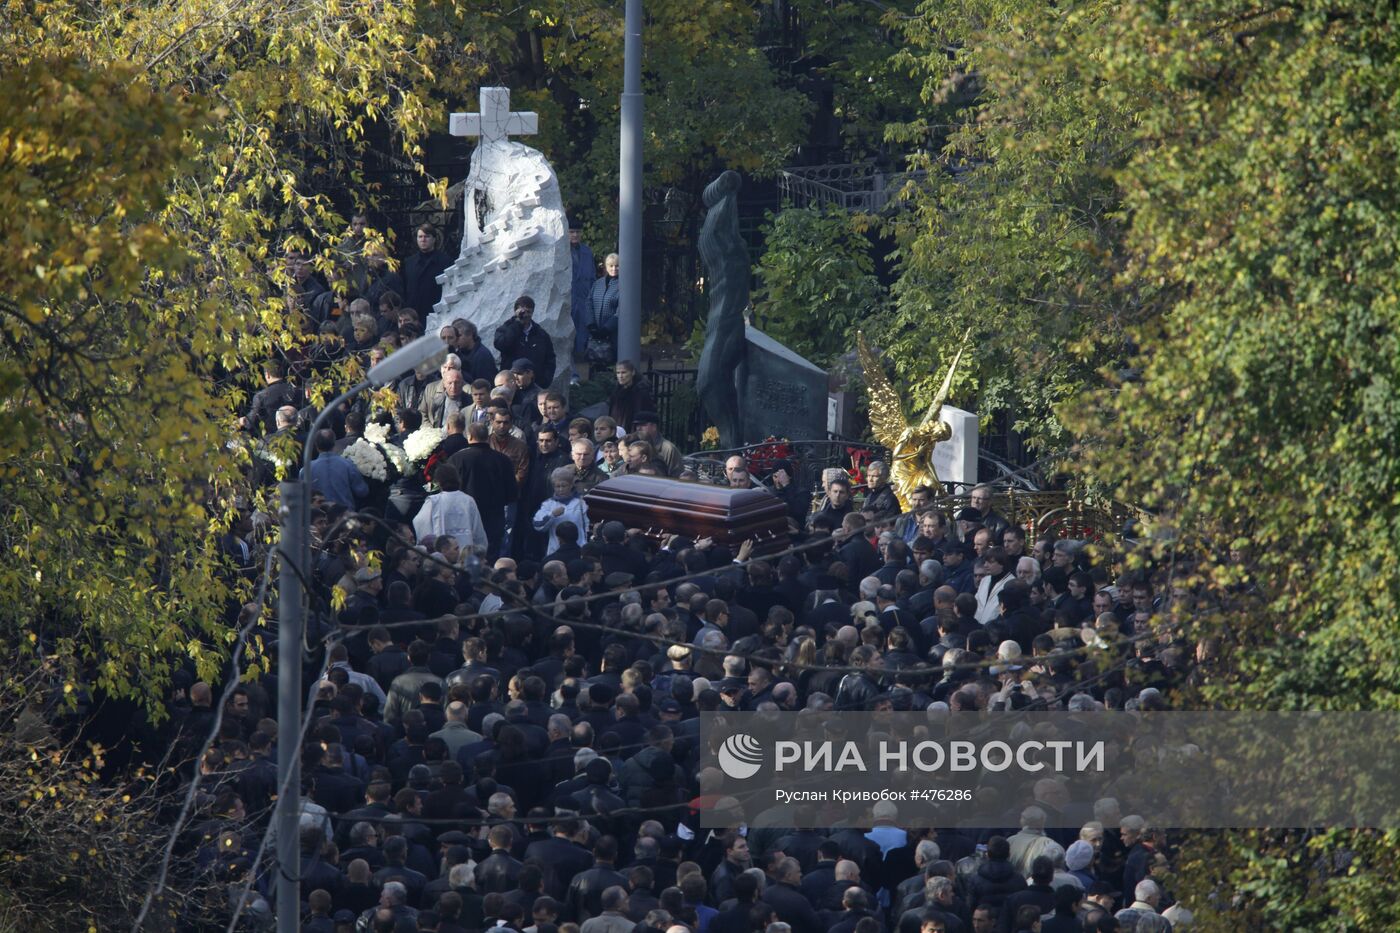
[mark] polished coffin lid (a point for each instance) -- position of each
(669, 506)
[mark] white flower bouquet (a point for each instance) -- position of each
(397, 457)
(419, 445)
(368, 459)
(377, 433)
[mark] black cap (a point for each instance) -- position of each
(343, 916)
(454, 837)
(669, 705)
(1104, 887)
(618, 579)
(968, 514)
(646, 417)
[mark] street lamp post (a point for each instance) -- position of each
(629, 233)
(291, 603)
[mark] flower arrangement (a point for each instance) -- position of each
(859, 458)
(377, 432)
(397, 458)
(710, 439)
(762, 457)
(368, 459)
(419, 445)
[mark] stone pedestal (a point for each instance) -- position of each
(955, 460)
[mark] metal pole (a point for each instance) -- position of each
(289, 636)
(629, 234)
(291, 601)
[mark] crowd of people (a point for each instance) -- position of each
(505, 693)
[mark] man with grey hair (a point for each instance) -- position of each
(393, 902)
(880, 499)
(1030, 841)
(937, 901)
(1133, 832)
(925, 854)
(462, 876)
(930, 575)
(585, 460)
(1082, 703)
(788, 901)
(1146, 897)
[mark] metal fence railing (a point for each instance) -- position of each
(673, 390)
(809, 458)
(851, 186)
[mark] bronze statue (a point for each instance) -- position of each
(726, 260)
(911, 445)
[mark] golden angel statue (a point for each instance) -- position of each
(911, 445)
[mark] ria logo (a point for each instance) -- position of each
(741, 756)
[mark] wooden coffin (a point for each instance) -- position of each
(694, 510)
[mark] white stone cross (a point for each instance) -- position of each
(496, 121)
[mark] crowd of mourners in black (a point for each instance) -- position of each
(504, 727)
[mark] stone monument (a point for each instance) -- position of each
(515, 239)
(752, 386)
(955, 460)
(782, 394)
(726, 260)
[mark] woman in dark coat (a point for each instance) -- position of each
(420, 272)
(602, 313)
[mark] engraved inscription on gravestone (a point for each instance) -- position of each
(781, 394)
(782, 397)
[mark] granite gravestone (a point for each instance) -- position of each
(781, 394)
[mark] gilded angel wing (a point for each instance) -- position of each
(886, 414)
(937, 405)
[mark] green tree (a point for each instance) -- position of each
(1226, 331)
(156, 157)
(816, 281)
(1015, 231)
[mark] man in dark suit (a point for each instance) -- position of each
(489, 478)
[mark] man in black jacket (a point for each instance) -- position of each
(521, 337)
(489, 478)
(420, 271)
(560, 857)
(737, 918)
(499, 870)
(335, 790)
(276, 393)
(1039, 893)
(995, 879)
(585, 896)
